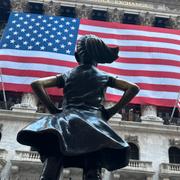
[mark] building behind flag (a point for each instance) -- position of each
(39, 40)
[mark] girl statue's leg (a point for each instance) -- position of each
(52, 169)
(92, 174)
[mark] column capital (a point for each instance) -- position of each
(116, 15)
(83, 11)
(19, 5)
(146, 19)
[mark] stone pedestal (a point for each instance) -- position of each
(28, 103)
(149, 115)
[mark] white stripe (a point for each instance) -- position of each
(147, 93)
(39, 54)
(140, 43)
(34, 66)
(145, 67)
(60, 69)
(120, 31)
(149, 55)
(143, 93)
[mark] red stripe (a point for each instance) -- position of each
(117, 25)
(140, 73)
(132, 37)
(27, 88)
(158, 87)
(39, 74)
(144, 100)
(107, 69)
(37, 60)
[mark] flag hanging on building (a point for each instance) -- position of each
(36, 46)
(178, 102)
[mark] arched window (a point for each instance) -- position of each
(36, 8)
(174, 155)
(130, 19)
(134, 151)
(68, 11)
(161, 22)
(99, 15)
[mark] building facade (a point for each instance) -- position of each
(154, 141)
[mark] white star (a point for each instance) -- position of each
(10, 29)
(25, 22)
(74, 20)
(30, 47)
(12, 41)
(49, 44)
(51, 18)
(4, 45)
(66, 30)
(67, 23)
(38, 43)
(23, 30)
(25, 42)
(37, 24)
(7, 37)
(64, 38)
(56, 22)
(42, 48)
(20, 38)
(42, 28)
(32, 39)
(18, 25)
(30, 27)
(62, 46)
(45, 39)
(62, 19)
(39, 35)
(54, 29)
(16, 14)
(32, 19)
(57, 41)
(15, 33)
(21, 18)
(71, 35)
(14, 21)
(28, 35)
(69, 43)
(61, 26)
(68, 51)
(55, 49)
(40, 17)
(72, 27)
(59, 33)
(28, 15)
(35, 31)
(17, 46)
(51, 36)
(47, 32)
(49, 25)
(44, 21)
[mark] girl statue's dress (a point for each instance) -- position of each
(79, 135)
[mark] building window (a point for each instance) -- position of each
(99, 15)
(5, 8)
(174, 155)
(131, 19)
(68, 11)
(161, 22)
(36, 8)
(134, 151)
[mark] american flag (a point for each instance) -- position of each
(36, 46)
(178, 102)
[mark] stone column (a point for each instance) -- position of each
(146, 19)
(149, 114)
(19, 5)
(51, 8)
(149, 178)
(28, 103)
(116, 15)
(83, 11)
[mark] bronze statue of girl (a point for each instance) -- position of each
(78, 134)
